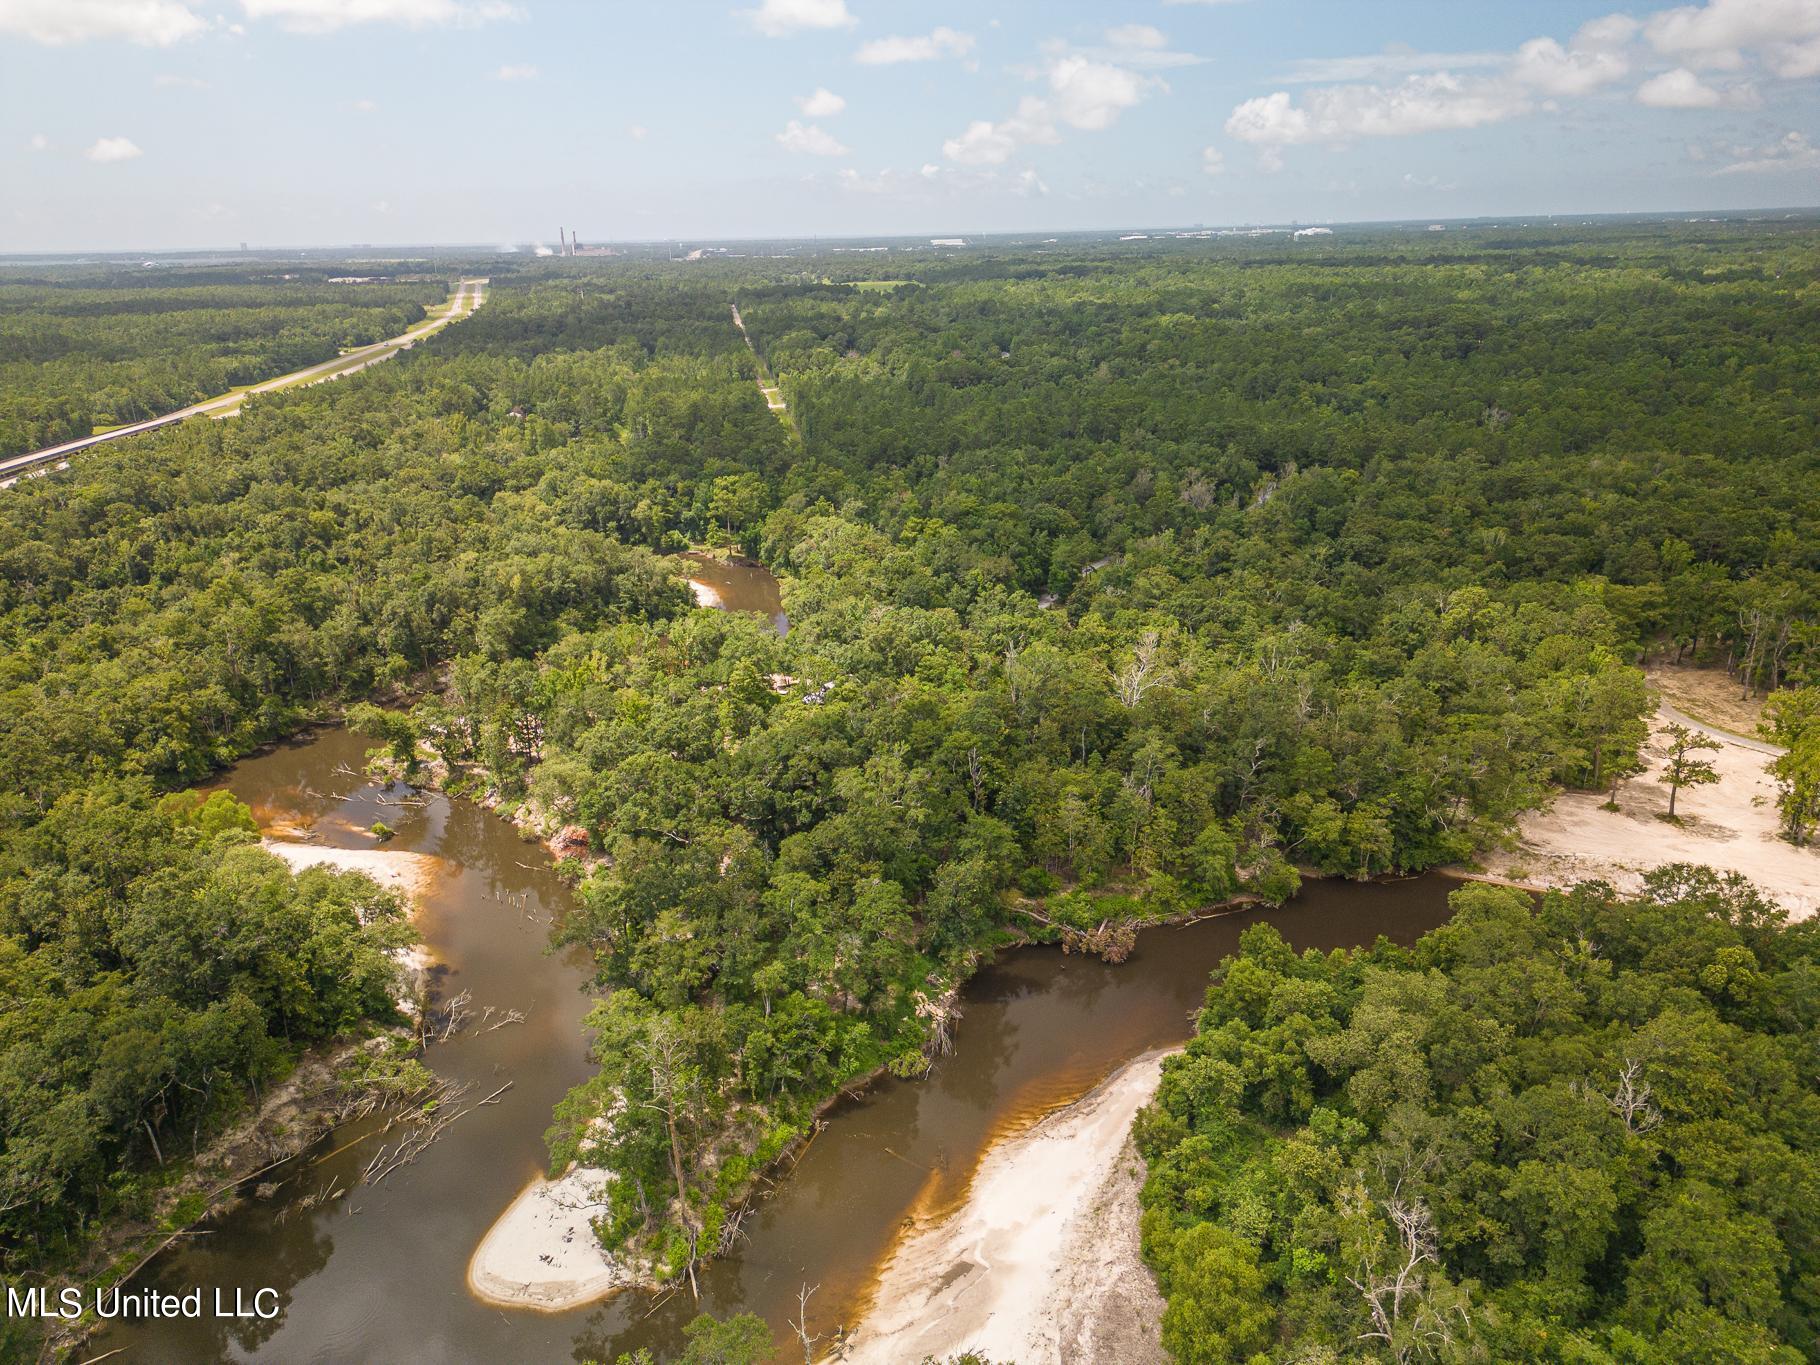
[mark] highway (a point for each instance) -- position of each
(468, 296)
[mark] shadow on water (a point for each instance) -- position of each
(380, 1274)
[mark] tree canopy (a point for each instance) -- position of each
(1575, 1130)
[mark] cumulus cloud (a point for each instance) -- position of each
(1421, 104)
(982, 143)
(1546, 67)
(824, 103)
(327, 16)
(810, 140)
(1087, 94)
(1429, 101)
(1678, 89)
(932, 46)
(1213, 161)
(1719, 34)
(152, 23)
(40, 143)
(1082, 92)
(108, 149)
(1793, 153)
(780, 18)
(516, 72)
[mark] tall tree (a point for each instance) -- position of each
(1684, 767)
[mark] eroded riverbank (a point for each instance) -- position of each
(378, 1272)
(383, 1273)
(1042, 1264)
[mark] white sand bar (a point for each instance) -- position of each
(396, 870)
(1041, 1263)
(542, 1253)
(1731, 825)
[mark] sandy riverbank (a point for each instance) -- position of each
(542, 1252)
(1041, 1263)
(410, 874)
(1730, 825)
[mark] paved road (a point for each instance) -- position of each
(1667, 712)
(468, 296)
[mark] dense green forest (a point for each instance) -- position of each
(1117, 585)
(81, 350)
(1583, 1131)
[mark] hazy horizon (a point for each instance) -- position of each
(530, 246)
(159, 125)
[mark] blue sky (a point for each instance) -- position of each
(175, 123)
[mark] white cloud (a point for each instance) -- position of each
(326, 16)
(1795, 61)
(780, 18)
(1084, 93)
(113, 149)
(1421, 104)
(1213, 161)
(40, 143)
(1678, 89)
(1543, 65)
(824, 103)
(638, 132)
(984, 143)
(1439, 100)
(365, 106)
(810, 140)
(929, 47)
(1793, 153)
(1716, 35)
(153, 23)
(1091, 95)
(521, 71)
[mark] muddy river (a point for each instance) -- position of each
(380, 1273)
(735, 585)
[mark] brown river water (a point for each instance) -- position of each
(379, 1274)
(735, 585)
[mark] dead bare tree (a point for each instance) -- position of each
(1631, 1101)
(1144, 671)
(800, 1325)
(1406, 1316)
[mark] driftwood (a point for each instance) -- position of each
(1110, 940)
